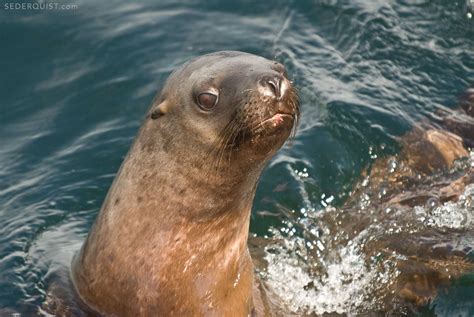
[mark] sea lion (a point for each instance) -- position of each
(171, 237)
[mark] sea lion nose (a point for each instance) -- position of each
(273, 85)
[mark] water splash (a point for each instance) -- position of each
(346, 287)
(345, 261)
(450, 215)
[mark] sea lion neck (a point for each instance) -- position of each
(194, 232)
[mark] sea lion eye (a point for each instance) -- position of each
(206, 100)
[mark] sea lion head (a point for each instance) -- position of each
(237, 105)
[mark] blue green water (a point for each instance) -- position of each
(75, 85)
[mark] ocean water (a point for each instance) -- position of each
(76, 82)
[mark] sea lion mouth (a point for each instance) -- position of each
(279, 113)
(264, 116)
(278, 118)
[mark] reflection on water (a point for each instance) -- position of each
(76, 84)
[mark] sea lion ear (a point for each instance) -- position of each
(159, 110)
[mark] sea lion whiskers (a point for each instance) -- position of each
(214, 155)
(238, 135)
(233, 134)
(224, 144)
(217, 152)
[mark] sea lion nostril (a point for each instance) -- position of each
(274, 84)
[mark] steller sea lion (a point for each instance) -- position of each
(171, 237)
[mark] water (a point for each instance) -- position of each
(75, 85)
